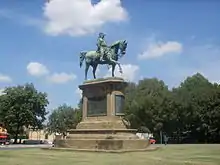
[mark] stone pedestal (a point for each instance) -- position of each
(102, 126)
(103, 102)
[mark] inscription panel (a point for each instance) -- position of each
(119, 104)
(97, 106)
(95, 92)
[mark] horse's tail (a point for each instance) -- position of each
(82, 57)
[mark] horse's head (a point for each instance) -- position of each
(119, 45)
(123, 47)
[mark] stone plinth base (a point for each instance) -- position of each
(103, 144)
(102, 139)
(151, 148)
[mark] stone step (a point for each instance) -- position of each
(102, 131)
(101, 125)
(102, 136)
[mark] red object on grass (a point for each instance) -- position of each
(152, 141)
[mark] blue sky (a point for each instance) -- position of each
(40, 42)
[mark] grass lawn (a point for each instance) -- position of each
(167, 155)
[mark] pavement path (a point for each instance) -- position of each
(23, 146)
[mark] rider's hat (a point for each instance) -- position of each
(102, 34)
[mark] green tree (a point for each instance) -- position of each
(188, 113)
(22, 106)
(148, 104)
(198, 101)
(63, 118)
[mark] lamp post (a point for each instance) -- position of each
(161, 137)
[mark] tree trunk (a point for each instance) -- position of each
(16, 134)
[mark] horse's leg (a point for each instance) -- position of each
(94, 70)
(116, 62)
(86, 70)
(120, 68)
(113, 70)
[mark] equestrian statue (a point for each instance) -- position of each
(104, 55)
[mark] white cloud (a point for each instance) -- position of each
(1, 91)
(98, 71)
(61, 78)
(79, 92)
(202, 59)
(37, 69)
(80, 17)
(5, 78)
(158, 49)
(130, 72)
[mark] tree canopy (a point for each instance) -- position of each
(22, 106)
(63, 118)
(188, 113)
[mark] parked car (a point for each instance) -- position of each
(4, 139)
(30, 141)
(152, 141)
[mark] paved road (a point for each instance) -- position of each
(22, 146)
